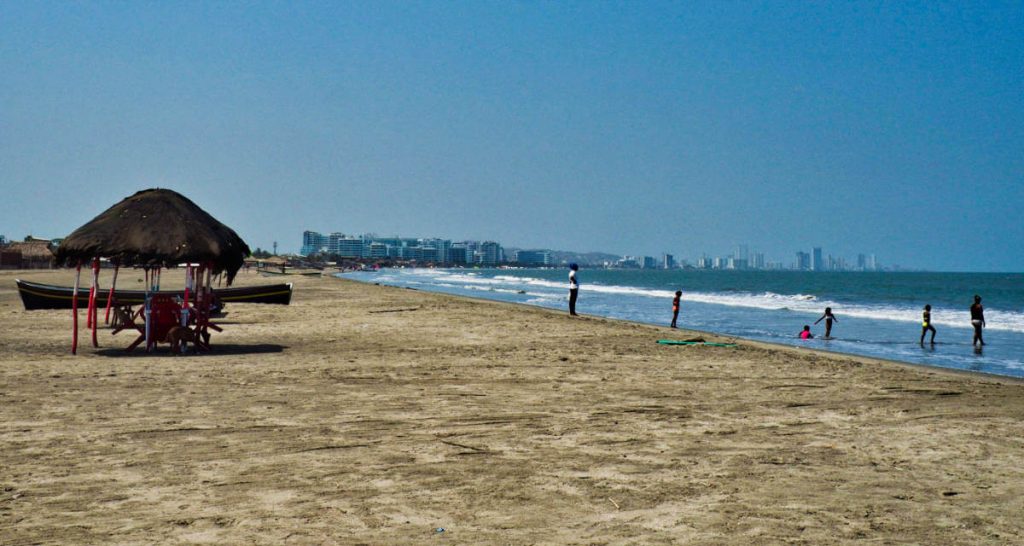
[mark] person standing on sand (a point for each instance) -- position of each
(829, 317)
(675, 308)
(977, 320)
(574, 288)
(926, 324)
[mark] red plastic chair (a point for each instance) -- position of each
(165, 313)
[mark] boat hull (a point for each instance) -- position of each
(47, 296)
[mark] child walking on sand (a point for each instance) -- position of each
(926, 324)
(675, 307)
(828, 317)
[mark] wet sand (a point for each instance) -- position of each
(376, 415)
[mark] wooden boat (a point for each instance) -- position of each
(272, 273)
(47, 296)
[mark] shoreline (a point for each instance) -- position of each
(378, 414)
(766, 344)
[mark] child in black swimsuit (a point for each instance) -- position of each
(829, 317)
(977, 320)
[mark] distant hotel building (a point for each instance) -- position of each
(428, 250)
(532, 257)
(490, 253)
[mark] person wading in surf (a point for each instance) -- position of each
(574, 288)
(829, 317)
(977, 320)
(926, 324)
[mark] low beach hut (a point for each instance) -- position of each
(155, 229)
(31, 254)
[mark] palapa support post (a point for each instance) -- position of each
(88, 306)
(74, 310)
(153, 290)
(199, 303)
(149, 286)
(110, 296)
(93, 311)
(205, 289)
(184, 303)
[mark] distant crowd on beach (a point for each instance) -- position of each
(977, 314)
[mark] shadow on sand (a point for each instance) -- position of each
(218, 349)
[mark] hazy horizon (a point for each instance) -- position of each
(632, 129)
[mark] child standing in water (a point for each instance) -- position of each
(977, 320)
(675, 307)
(926, 324)
(829, 317)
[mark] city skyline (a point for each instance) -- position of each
(437, 249)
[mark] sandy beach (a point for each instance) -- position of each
(375, 415)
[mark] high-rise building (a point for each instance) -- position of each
(440, 248)
(313, 243)
(817, 264)
(648, 262)
(457, 254)
(668, 261)
(490, 253)
(758, 262)
(350, 247)
(803, 261)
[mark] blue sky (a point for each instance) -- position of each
(894, 128)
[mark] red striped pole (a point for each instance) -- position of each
(110, 296)
(74, 311)
(93, 310)
(88, 308)
(149, 285)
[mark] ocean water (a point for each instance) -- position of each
(878, 314)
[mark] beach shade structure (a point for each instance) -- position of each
(156, 229)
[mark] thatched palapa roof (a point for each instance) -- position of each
(32, 249)
(156, 227)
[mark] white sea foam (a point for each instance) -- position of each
(548, 291)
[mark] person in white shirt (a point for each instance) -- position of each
(574, 288)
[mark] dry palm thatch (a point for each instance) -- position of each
(156, 228)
